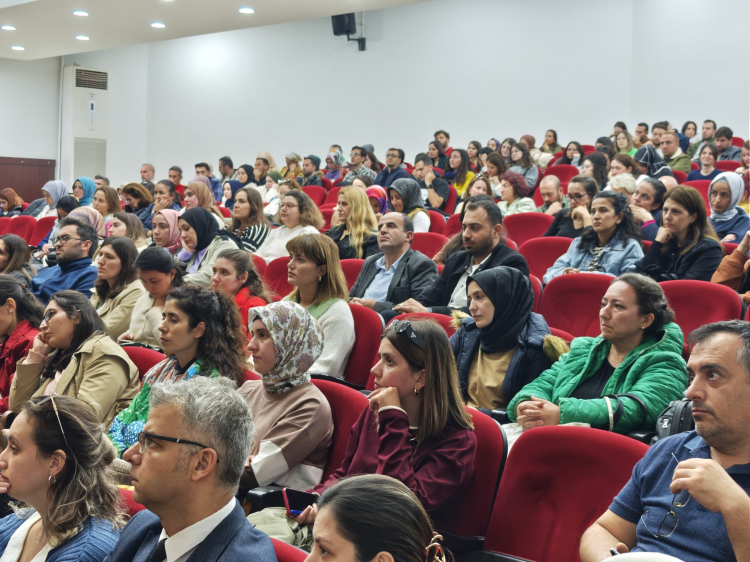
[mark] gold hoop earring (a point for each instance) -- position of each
(416, 391)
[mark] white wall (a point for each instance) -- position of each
(478, 68)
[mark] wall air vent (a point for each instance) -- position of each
(91, 79)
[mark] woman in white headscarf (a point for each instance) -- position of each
(52, 191)
(724, 194)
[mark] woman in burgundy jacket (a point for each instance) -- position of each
(20, 316)
(416, 429)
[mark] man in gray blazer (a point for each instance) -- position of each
(398, 273)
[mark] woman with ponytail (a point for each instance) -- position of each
(235, 274)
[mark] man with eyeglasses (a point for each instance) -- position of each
(186, 470)
(688, 497)
(75, 246)
(357, 168)
(393, 170)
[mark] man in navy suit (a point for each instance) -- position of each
(186, 468)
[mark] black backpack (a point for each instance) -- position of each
(676, 418)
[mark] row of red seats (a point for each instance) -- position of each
(28, 228)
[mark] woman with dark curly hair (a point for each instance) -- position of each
(514, 195)
(573, 155)
(595, 165)
(521, 164)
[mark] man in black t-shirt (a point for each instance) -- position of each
(435, 190)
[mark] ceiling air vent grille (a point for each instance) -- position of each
(91, 79)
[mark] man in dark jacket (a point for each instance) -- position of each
(396, 274)
(485, 249)
(393, 170)
(435, 190)
(310, 166)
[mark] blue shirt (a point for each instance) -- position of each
(78, 275)
(378, 289)
(700, 534)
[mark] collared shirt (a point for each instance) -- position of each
(458, 298)
(378, 289)
(183, 544)
(228, 178)
(361, 172)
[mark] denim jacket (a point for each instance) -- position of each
(616, 257)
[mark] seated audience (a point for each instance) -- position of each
(573, 155)
(188, 488)
(730, 222)
(550, 144)
(624, 164)
(500, 348)
(436, 152)
(514, 195)
(73, 356)
(456, 242)
(65, 206)
(672, 153)
(521, 164)
(203, 170)
(230, 188)
(612, 246)
(745, 167)
(646, 206)
(378, 200)
(417, 408)
(356, 234)
(107, 202)
(484, 248)
(334, 166)
(298, 215)
(688, 497)
(505, 148)
(596, 165)
(320, 287)
(271, 196)
(58, 466)
(708, 171)
(166, 232)
(164, 198)
(234, 273)
(624, 184)
(202, 336)
(396, 274)
(640, 138)
(624, 142)
(91, 216)
(538, 158)
(405, 197)
(202, 241)
(292, 418)
(20, 316)
(127, 225)
(249, 222)
(118, 287)
(363, 183)
(571, 223)
(310, 166)
(552, 194)
(652, 163)
(458, 171)
(14, 259)
(245, 175)
(475, 164)
(727, 151)
(159, 274)
(83, 190)
(639, 352)
(732, 271)
(479, 185)
(495, 168)
(52, 192)
(197, 195)
(357, 168)
(75, 246)
(138, 200)
(394, 157)
(435, 190)
(11, 205)
(293, 168)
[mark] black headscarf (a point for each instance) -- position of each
(204, 224)
(250, 174)
(511, 293)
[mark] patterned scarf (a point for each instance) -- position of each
(298, 340)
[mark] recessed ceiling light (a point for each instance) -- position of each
(158, 25)
(8, 28)
(17, 48)
(247, 11)
(82, 38)
(80, 13)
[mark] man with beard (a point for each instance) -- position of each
(688, 497)
(484, 249)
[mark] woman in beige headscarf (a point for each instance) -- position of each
(94, 218)
(271, 162)
(196, 194)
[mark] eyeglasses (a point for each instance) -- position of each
(404, 327)
(64, 239)
(51, 397)
(575, 196)
(354, 154)
(391, 155)
(143, 438)
(49, 314)
(288, 206)
(669, 523)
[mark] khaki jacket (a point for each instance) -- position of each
(99, 374)
(116, 312)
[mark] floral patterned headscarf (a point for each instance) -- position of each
(298, 340)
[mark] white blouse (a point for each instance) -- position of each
(15, 545)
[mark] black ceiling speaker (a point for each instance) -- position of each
(344, 24)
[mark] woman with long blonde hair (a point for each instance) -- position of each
(356, 234)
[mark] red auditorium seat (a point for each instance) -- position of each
(450, 206)
(646, 245)
(728, 165)
(564, 172)
(729, 247)
(702, 187)
(226, 212)
(351, 269)
(452, 226)
(260, 265)
(541, 253)
(287, 552)
(429, 243)
(536, 285)
(555, 157)
(276, 276)
(327, 216)
(130, 505)
(562, 334)
(5, 224)
(539, 175)
(332, 198)
(588, 149)
(558, 480)
(725, 303)
(336, 183)
(25, 205)
(537, 197)
(316, 193)
(511, 244)
(143, 358)
(437, 222)
(446, 322)
(327, 184)
(367, 329)
(694, 166)
(737, 141)
(572, 302)
(525, 226)
(346, 406)
(681, 177)
(42, 227)
(22, 226)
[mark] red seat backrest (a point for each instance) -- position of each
(327, 184)
(260, 264)
(541, 253)
(42, 227)
(446, 322)
(429, 243)
(316, 193)
(288, 553)
(143, 358)
(536, 286)
(588, 149)
(226, 212)
(555, 157)
(332, 198)
(437, 222)
(729, 247)
(702, 187)
(646, 245)
(572, 302)
(564, 172)
(681, 177)
(562, 479)
(525, 226)
(129, 504)
(327, 216)
(452, 226)
(694, 166)
(737, 141)
(5, 224)
(22, 226)
(367, 330)
(728, 165)
(511, 244)
(681, 296)
(351, 269)
(276, 276)
(450, 206)
(561, 334)
(346, 406)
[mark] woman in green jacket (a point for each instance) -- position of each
(639, 353)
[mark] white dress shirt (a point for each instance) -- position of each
(183, 544)
(458, 298)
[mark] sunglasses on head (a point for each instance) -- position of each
(405, 327)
